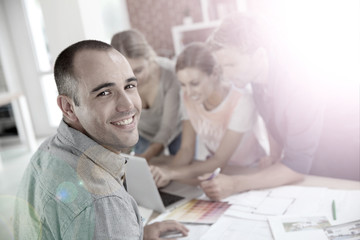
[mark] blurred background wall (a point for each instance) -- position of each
(33, 32)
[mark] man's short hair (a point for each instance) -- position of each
(65, 79)
(240, 30)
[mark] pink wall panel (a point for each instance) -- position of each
(154, 18)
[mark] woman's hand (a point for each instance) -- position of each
(161, 175)
(217, 188)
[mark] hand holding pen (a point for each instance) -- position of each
(217, 186)
(207, 177)
(214, 174)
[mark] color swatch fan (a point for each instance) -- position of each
(199, 211)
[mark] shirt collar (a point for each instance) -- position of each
(111, 162)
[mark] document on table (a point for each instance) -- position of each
(231, 228)
(196, 231)
(296, 201)
(347, 206)
(299, 228)
(247, 218)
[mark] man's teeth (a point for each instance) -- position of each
(124, 122)
(194, 98)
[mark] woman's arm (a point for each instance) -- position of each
(183, 157)
(171, 112)
(224, 185)
(186, 170)
(228, 145)
(187, 148)
(152, 151)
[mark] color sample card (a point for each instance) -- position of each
(199, 211)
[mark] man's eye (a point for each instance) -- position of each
(130, 86)
(104, 93)
(138, 71)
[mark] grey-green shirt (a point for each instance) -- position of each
(162, 122)
(72, 189)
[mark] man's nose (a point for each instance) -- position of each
(124, 103)
(189, 90)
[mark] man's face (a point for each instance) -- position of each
(110, 105)
(237, 67)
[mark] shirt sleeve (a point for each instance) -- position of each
(303, 127)
(106, 218)
(243, 117)
(170, 120)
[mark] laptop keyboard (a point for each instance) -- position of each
(169, 199)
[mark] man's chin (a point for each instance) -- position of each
(240, 84)
(126, 150)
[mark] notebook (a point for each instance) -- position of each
(141, 186)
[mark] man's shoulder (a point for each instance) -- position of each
(53, 175)
(54, 192)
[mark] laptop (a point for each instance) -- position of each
(141, 186)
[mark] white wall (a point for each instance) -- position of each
(21, 72)
(66, 22)
(69, 21)
(9, 65)
(63, 24)
(7, 50)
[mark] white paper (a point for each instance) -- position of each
(230, 228)
(347, 204)
(259, 204)
(298, 228)
(196, 231)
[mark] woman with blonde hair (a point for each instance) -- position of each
(160, 122)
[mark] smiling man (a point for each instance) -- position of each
(74, 186)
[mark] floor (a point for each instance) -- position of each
(15, 157)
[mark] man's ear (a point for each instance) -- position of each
(217, 72)
(67, 105)
(260, 55)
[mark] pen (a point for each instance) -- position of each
(214, 174)
(333, 207)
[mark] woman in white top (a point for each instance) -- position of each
(160, 121)
(222, 115)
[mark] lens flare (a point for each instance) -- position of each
(66, 192)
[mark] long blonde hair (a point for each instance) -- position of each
(240, 30)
